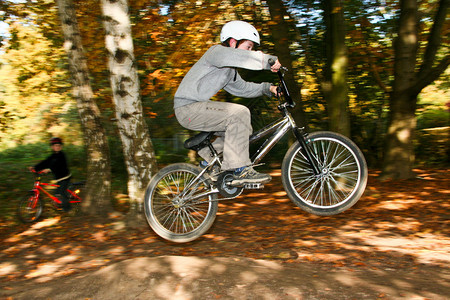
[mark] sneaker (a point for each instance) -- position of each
(249, 175)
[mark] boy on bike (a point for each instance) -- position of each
(57, 164)
(216, 70)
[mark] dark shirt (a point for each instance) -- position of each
(57, 163)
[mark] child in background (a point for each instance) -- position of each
(57, 164)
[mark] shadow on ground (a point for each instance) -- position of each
(175, 277)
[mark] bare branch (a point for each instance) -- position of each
(426, 78)
(435, 37)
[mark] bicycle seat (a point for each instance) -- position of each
(199, 141)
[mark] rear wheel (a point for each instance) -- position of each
(179, 207)
(30, 208)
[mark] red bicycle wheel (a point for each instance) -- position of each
(30, 208)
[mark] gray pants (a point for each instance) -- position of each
(231, 121)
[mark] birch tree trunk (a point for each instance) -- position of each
(408, 83)
(137, 147)
(335, 87)
(98, 188)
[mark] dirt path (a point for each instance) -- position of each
(394, 244)
(184, 277)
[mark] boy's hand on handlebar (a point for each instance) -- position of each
(276, 66)
(274, 89)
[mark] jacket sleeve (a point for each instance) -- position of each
(45, 164)
(241, 88)
(221, 56)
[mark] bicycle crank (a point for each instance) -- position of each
(224, 186)
(229, 191)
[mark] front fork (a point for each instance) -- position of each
(306, 150)
(298, 132)
(35, 197)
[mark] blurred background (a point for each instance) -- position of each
(169, 36)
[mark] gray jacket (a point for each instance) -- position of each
(216, 70)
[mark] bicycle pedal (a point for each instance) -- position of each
(253, 186)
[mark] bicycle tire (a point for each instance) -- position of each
(343, 177)
(176, 219)
(30, 208)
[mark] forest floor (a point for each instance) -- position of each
(393, 244)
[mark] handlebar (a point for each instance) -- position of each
(272, 62)
(282, 85)
(37, 172)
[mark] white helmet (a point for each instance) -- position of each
(239, 30)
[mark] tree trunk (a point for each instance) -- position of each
(399, 150)
(98, 189)
(399, 155)
(335, 87)
(282, 30)
(137, 147)
(408, 82)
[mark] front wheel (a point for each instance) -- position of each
(179, 205)
(30, 208)
(342, 179)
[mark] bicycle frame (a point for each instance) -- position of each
(38, 189)
(279, 129)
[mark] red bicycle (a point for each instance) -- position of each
(31, 205)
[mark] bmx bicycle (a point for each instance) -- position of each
(31, 205)
(323, 173)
